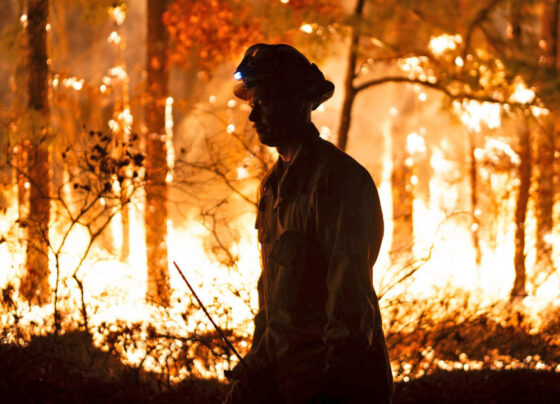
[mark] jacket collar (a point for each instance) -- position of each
(292, 178)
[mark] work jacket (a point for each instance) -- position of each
(320, 228)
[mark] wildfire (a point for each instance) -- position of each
(242, 173)
(307, 28)
(169, 138)
(438, 45)
(493, 148)
(474, 113)
(415, 143)
(23, 20)
(122, 122)
(72, 82)
(118, 13)
(119, 72)
(114, 38)
(442, 255)
(522, 94)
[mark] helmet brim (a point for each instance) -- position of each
(321, 92)
(241, 91)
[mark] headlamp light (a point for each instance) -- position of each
(237, 75)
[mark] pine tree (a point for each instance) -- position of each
(35, 284)
(156, 162)
(546, 140)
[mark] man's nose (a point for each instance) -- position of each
(253, 115)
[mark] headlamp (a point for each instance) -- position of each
(237, 75)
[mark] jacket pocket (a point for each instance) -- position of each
(288, 255)
(289, 245)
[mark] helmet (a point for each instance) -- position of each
(284, 67)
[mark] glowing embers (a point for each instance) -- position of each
(118, 13)
(122, 122)
(417, 67)
(412, 64)
(307, 28)
(68, 82)
(495, 151)
(169, 123)
(24, 20)
(242, 173)
(438, 45)
(114, 37)
(521, 93)
(416, 143)
(474, 113)
(117, 72)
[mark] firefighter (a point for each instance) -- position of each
(318, 335)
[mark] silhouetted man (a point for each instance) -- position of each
(318, 335)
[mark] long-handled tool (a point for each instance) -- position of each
(224, 338)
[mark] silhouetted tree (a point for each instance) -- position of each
(156, 161)
(35, 284)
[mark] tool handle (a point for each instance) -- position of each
(224, 338)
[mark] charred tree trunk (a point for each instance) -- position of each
(546, 146)
(402, 189)
(156, 161)
(35, 284)
(20, 164)
(403, 230)
(125, 222)
(7, 17)
(19, 108)
(473, 179)
(524, 173)
(545, 195)
(350, 91)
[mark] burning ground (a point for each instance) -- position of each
(493, 366)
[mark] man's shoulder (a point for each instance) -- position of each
(340, 166)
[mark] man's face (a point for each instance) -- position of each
(272, 116)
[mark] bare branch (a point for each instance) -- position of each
(441, 88)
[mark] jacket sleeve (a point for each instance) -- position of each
(349, 225)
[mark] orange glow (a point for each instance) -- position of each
(442, 128)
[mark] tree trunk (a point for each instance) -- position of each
(403, 229)
(35, 284)
(545, 195)
(524, 173)
(349, 89)
(546, 145)
(473, 179)
(7, 98)
(156, 161)
(402, 189)
(19, 108)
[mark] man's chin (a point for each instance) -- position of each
(267, 139)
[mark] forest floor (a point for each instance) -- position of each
(69, 369)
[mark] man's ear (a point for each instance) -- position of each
(303, 103)
(305, 107)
